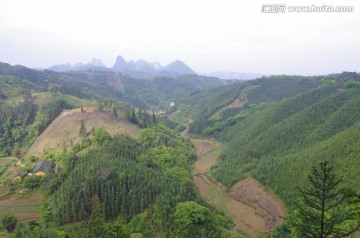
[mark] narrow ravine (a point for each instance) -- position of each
(254, 211)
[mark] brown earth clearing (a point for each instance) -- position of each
(253, 209)
(250, 192)
(64, 130)
(239, 102)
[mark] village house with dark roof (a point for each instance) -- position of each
(42, 168)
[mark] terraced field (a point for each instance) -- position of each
(25, 206)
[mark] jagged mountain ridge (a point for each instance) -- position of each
(177, 67)
(139, 68)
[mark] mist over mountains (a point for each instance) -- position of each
(235, 75)
(142, 69)
(139, 68)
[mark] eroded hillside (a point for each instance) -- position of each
(64, 130)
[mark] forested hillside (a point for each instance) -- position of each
(26, 109)
(105, 184)
(140, 184)
(250, 96)
(279, 144)
(143, 93)
(102, 185)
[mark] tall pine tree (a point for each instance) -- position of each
(323, 210)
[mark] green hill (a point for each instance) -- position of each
(279, 144)
(142, 93)
(103, 181)
(255, 94)
(31, 99)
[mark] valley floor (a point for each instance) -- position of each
(252, 208)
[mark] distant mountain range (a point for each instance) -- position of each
(139, 68)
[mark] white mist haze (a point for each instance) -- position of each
(207, 35)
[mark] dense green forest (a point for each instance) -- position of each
(257, 93)
(140, 183)
(277, 145)
(121, 187)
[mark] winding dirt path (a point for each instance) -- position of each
(251, 207)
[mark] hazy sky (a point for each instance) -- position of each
(226, 35)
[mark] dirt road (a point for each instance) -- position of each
(251, 207)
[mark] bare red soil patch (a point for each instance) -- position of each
(250, 192)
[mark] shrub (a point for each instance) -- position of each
(9, 222)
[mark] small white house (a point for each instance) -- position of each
(172, 104)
